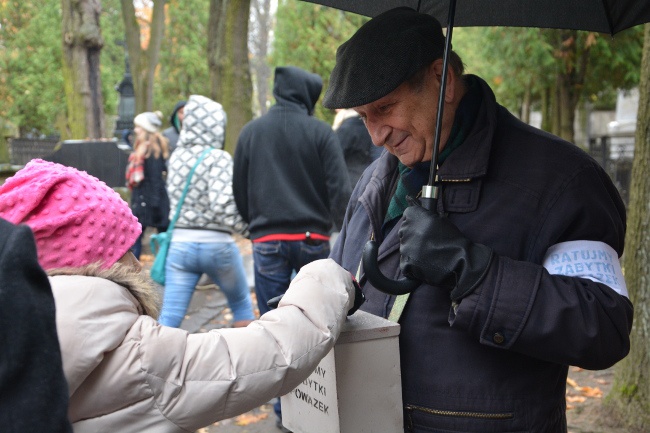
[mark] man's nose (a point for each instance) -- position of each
(378, 132)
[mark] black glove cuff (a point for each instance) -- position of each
(475, 275)
(359, 297)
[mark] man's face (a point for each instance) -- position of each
(404, 121)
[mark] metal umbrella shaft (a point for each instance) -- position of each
(430, 191)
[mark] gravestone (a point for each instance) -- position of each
(356, 388)
(104, 159)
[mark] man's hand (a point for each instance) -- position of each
(433, 250)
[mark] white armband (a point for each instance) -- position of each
(593, 260)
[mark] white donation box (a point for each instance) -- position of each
(356, 388)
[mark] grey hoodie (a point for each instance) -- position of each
(209, 203)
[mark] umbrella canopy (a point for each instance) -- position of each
(603, 16)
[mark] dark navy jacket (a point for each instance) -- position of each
(498, 362)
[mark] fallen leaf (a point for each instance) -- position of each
(591, 392)
(571, 382)
(575, 399)
(249, 418)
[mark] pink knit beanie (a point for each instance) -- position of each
(76, 218)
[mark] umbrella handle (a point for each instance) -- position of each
(379, 280)
(428, 200)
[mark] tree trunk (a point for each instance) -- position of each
(230, 79)
(526, 103)
(259, 41)
(556, 108)
(143, 60)
(565, 107)
(630, 395)
(572, 52)
(82, 44)
(547, 109)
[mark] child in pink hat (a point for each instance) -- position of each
(76, 218)
(125, 371)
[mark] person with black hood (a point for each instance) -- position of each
(176, 121)
(290, 183)
(358, 149)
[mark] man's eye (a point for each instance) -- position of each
(384, 108)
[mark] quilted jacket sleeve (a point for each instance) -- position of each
(222, 373)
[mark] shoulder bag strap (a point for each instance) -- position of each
(172, 223)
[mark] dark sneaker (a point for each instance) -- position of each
(283, 429)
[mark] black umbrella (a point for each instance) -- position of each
(604, 16)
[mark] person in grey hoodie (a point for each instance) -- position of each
(124, 372)
(202, 239)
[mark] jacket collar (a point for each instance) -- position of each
(471, 159)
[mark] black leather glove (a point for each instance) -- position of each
(433, 250)
(359, 297)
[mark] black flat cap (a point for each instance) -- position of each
(386, 51)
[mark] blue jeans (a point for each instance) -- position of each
(187, 261)
(275, 263)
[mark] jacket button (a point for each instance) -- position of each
(498, 338)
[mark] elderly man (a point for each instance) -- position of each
(519, 264)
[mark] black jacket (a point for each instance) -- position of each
(289, 172)
(149, 200)
(499, 361)
(33, 389)
(357, 146)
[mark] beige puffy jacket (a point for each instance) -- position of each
(127, 373)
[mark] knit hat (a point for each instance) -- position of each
(76, 218)
(149, 121)
(384, 53)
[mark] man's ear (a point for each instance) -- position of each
(450, 90)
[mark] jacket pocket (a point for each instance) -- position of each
(424, 419)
